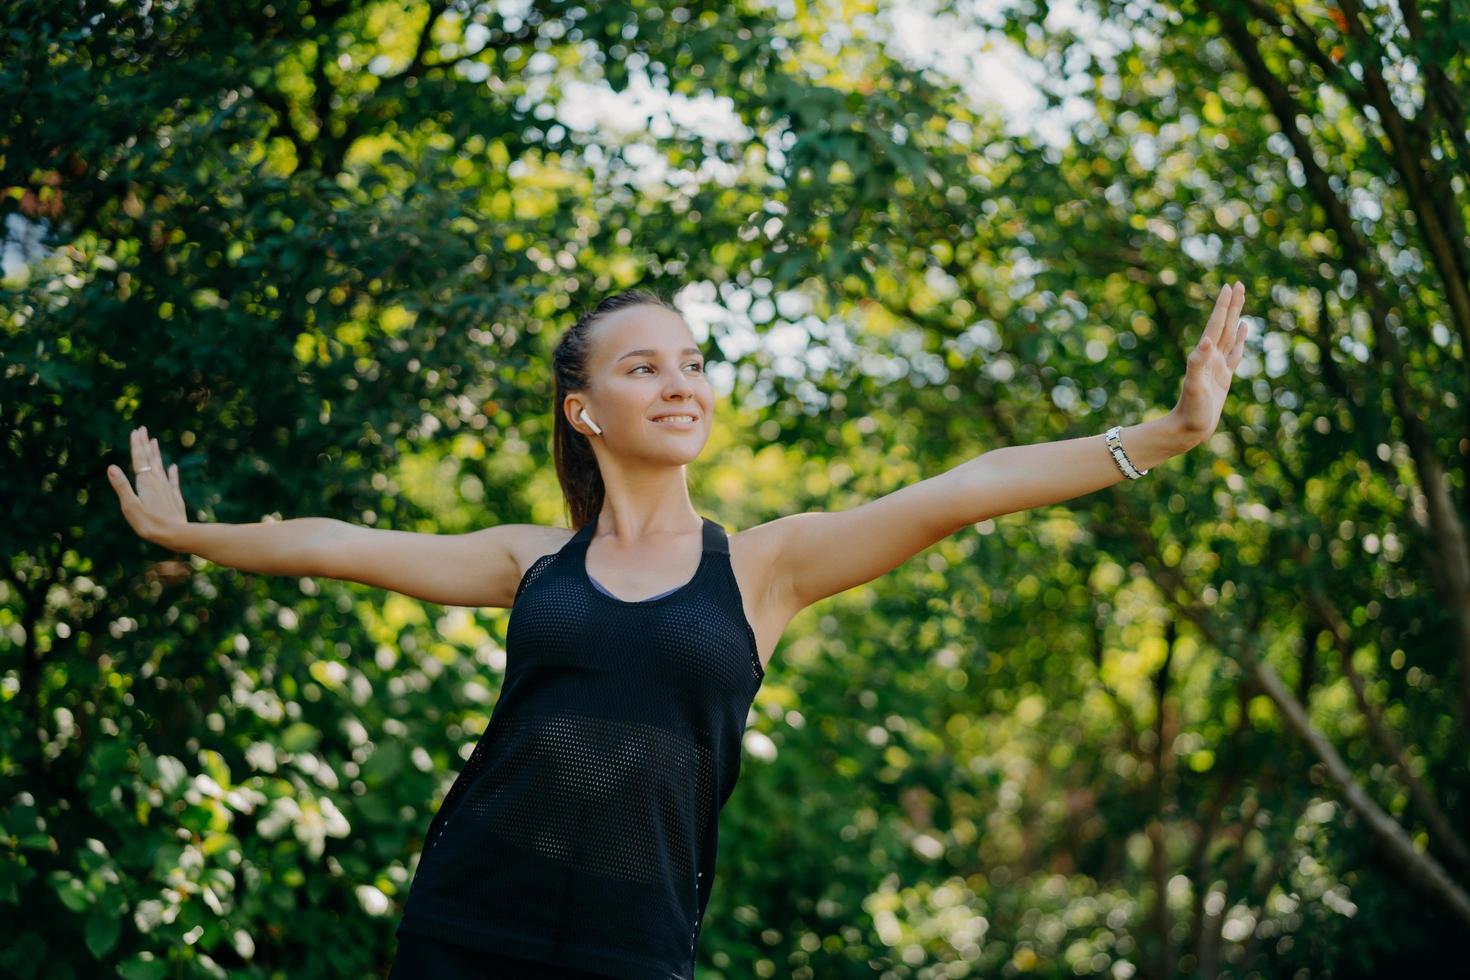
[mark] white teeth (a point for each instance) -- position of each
(675, 418)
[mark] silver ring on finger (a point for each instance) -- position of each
(144, 469)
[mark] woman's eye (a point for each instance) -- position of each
(694, 363)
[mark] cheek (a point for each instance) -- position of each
(624, 394)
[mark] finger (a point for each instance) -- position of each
(135, 446)
(1237, 303)
(154, 459)
(1234, 296)
(140, 454)
(1238, 351)
(173, 478)
(120, 484)
(1216, 323)
(141, 471)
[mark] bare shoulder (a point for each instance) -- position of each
(530, 542)
(473, 568)
(496, 559)
(754, 556)
(498, 556)
(756, 548)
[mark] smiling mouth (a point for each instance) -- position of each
(676, 419)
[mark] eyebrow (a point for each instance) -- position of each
(645, 350)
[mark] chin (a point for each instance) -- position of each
(686, 452)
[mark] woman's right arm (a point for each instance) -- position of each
(478, 568)
(269, 547)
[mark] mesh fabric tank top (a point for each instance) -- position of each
(583, 830)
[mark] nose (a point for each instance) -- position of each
(681, 387)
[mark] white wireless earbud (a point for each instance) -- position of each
(584, 418)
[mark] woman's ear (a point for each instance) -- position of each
(582, 414)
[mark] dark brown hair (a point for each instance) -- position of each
(576, 466)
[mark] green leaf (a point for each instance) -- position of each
(300, 737)
(102, 931)
(72, 892)
(384, 765)
(143, 966)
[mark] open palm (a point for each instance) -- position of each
(157, 506)
(1212, 365)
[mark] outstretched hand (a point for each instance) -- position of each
(158, 505)
(1212, 365)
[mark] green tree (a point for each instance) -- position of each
(1210, 722)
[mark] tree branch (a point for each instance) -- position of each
(1441, 230)
(1421, 870)
(1440, 826)
(1444, 517)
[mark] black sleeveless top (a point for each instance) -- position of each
(583, 830)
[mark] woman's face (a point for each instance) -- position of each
(646, 364)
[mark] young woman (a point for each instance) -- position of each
(580, 839)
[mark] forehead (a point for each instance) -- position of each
(642, 326)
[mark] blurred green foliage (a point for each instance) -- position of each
(1212, 723)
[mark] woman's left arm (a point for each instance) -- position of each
(1014, 478)
(818, 554)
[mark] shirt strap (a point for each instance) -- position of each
(714, 537)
